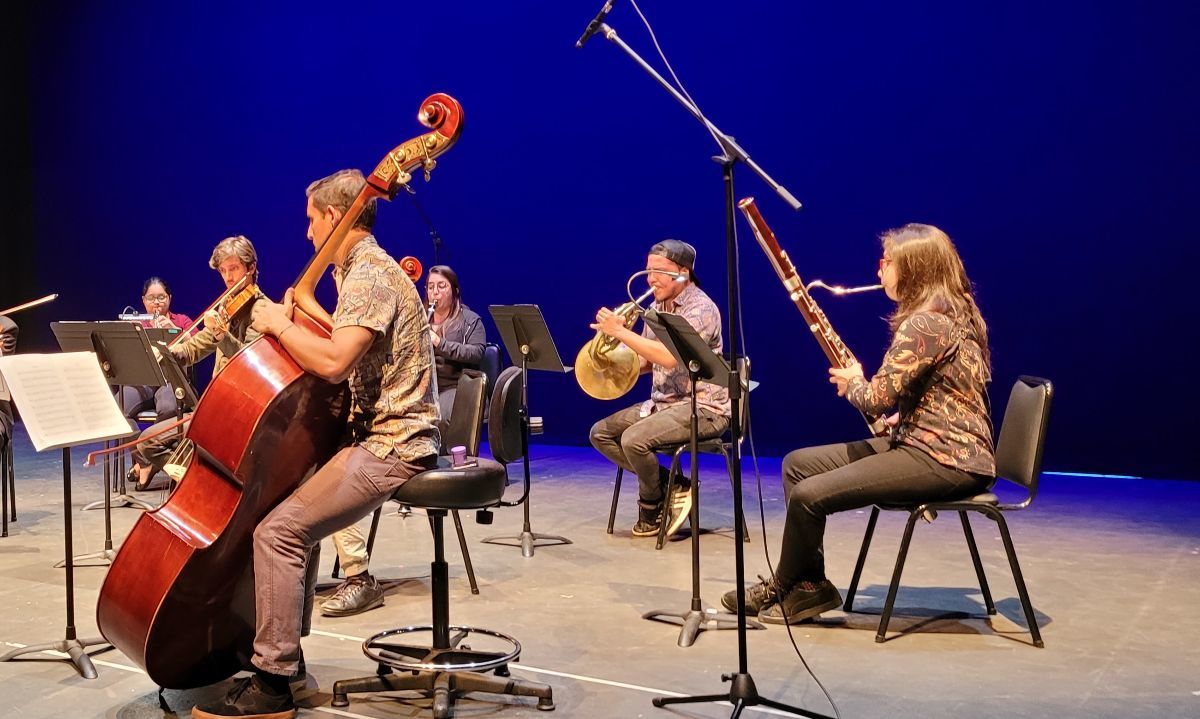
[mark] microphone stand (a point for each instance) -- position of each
(742, 692)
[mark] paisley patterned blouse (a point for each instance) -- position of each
(935, 374)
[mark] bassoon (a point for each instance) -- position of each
(836, 351)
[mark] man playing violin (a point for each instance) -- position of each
(380, 343)
(235, 259)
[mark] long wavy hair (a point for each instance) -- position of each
(930, 276)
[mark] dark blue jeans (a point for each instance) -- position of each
(836, 477)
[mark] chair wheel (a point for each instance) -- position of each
(545, 704)
(339, 700)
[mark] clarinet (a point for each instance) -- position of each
(836, 351)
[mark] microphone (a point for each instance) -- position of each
(595, 24)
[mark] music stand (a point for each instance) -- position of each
(692, 352)
(78, 409)
(528, 342)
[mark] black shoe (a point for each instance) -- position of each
(803, 601)
(758, 596)
(250, 698)
(649, 517)
(354, 596)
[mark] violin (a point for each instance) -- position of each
(178, 599)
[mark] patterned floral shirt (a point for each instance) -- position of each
(935, 373)
(393, 387)
(204, 343)
(672, 386)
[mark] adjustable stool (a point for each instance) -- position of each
(448, 666)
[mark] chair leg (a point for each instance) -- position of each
(900, 557)
(1019, 579)
(983, 585)
(612, 512)
(466, 554)
(848, 605)
(12, 484)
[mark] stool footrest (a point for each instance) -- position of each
(426, 658)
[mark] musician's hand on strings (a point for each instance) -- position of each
(289, 303)
(892, 420)
(608, 322)
(270, 318)
(214, 323)
(842, 376)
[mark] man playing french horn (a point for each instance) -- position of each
(629, 437)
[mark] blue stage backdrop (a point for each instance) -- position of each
(1056, 142)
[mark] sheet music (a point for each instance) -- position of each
(64, 399)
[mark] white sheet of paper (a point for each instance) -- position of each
(63, 398)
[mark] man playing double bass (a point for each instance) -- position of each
(380, 343)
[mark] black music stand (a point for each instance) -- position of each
(742, 691)
(692, 352)
(69, 384)
(529, 345)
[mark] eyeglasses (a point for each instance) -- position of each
(156, 298)
(443, 286)
(884, 262)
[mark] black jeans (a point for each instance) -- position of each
(836, 477)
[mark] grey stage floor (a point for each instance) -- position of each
(1111, 565)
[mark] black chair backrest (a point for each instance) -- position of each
(1023, 432)
(504, 417)
(466, 417)
(490, 366)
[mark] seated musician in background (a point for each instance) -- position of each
(935, 373)
(380, 342)
(457, 333)
(458, 340)
(8, 345)
(630, 436)
(156, 296)
(234, 258)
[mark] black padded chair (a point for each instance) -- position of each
(464, 429)
(448, 665)
(490, 365)
(717, 445)
(1018, 461)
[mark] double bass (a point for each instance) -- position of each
(178, 599)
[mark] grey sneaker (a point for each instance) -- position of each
(355, 595)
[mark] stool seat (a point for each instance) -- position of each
(448, 487)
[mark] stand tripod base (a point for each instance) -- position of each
(694, 621)
(741, 695)
(75, 649)
(527, 540)
(120, 500)
(103, 558)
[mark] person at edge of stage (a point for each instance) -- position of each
(8, 345)
(458, 340)
(156, 297)
(233, 258)
(630, 436)
(380, 343)
(935, 373)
